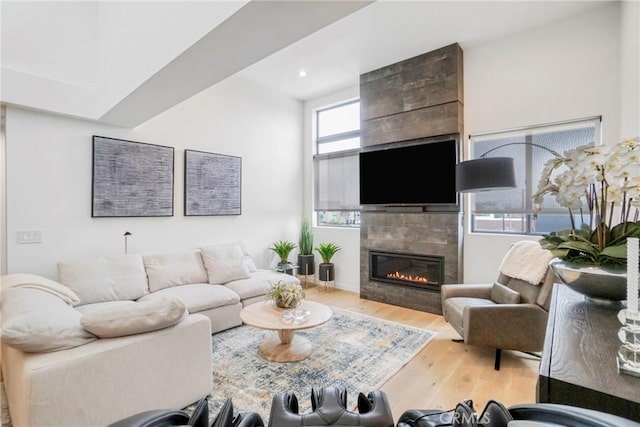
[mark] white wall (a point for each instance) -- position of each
(137, 39)
(90, 55)
(630, 69)
(49, 178)
(347, 260)
(67, 86)
(566, 70)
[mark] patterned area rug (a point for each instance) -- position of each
(352, 351)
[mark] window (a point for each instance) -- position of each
(511, 211)
(336, 189)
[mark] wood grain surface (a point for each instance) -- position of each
(444, 372)
(579, 358)
(286, 346)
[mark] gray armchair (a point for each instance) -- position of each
(509, 314)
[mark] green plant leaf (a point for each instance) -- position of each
(618, 251)
(581, 246)
(286, 292)
(327, 251)
(283, 248)
(306, 238)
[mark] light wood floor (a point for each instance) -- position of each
(444, 372)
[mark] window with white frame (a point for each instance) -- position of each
(336, 189)
(511, 211)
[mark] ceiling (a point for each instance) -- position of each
(126, 62)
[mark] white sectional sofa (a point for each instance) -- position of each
(121, 335)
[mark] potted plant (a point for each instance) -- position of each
(283, 248)
(286, 295)
(306, 259)
(604, 179)
(326, 270)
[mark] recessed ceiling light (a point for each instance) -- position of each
(302, 72)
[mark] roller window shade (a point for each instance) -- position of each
(529, 162)
(337, 182)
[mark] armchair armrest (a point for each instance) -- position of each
(466, 290)
(506, 326)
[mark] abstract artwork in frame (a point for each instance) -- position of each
(212, 184)
(131, 179)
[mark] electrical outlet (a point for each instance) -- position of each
(33, 236)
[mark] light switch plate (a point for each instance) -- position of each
(32, 236)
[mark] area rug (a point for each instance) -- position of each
(351, 351)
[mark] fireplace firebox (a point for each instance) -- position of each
(418, 271)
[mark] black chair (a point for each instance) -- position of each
(570, 416)
(496, 415)
(199, 418)
(329, 408)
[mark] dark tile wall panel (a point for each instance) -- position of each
(416, 299)
(425, 80)
(420, 97)
(438, 120)
(417, 233)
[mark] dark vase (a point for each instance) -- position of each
(326, 272)
(306, 265)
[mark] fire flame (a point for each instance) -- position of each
(407, 277)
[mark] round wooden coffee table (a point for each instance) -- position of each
(286, 347)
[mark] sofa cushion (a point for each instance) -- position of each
(454, 308)
(528, 292)
(500, 294)
(88, 308)
(179, 268)
(34, 281)
(224, 263)
(135, 318)
(249, 288)
(259, 283)
(199, 297)
(274, 277)
(248, 261)
(105, 278)
(247, 258)
(36, 321)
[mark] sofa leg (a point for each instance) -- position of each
(496, 365)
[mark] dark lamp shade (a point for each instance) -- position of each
(485, 174)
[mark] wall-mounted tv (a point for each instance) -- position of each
(418, 174)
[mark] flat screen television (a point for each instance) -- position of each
(421, 174)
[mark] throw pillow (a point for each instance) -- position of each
(103, 279)
(34, 281)
(501, 294)
(144, 316)
(224, 263)
(248, 259)
(36, 321)
(179, 268)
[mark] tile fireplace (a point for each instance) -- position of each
(406, 257)
(420, 271)
(421, 98)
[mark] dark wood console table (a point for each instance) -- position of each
(578, 365)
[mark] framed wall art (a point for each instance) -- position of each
(131, 179)
(212, 184)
